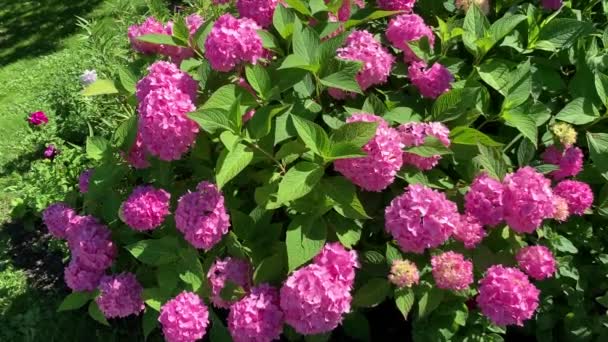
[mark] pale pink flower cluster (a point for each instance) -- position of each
(469, 231)
(484, 200)
(421, 218)
(233, 41)
(146, 208)
(452, 271)
(257, 317)
(229, 269)
(396, 5)
(537, 261)
(404, 273)
(84, 179)
(506, 296)
(184, 318)
(166, 95)
(561, 208)
(261, 11)
(137, 155)
(57, 217)
(570, 161)
(202, 216)
(431, 82)
(315, 297)
(377, 170)
(414, 134)
(578, 195)
(120, 295)
(407, 28)
(527, 200)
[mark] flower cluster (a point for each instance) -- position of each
(37, 118)
(451, 271)
(184, 318)
(257, 317)
(565, 133)
(469, 231)
(84, 179)
(146, 208)
(431, 82)
(536, 261)
(414, 134)
(404, 273)
(407, 28)
(396, 5)
(57, 219)
(179, 53)
(232, 270)
(149, 26)
(120, 295)
(484, 200)
(260, 11)
(137, 155)
(570, 161)
(50, 152)
(578, 195)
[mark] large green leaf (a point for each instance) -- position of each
(561, 33)
(97, 147)
(75, 300)
(519, 87)
(96, 313)
(524, 124)
(100, 87)
(344, 78)
(306, 44)
(579, 111)
(344, 195)
(313, 135)
(226, 96)
(598, 150)
(454, 103)
(299, 181)
(190, 268)
(491, 159)
(404, 299)
(305, 237)
(282, 20)
(372, 293)
(431, 147)
(347, 230)
(470, 136)
(259, 79)
(159, 39)
(356, 133)
(231, 163)
(429, 301)
(261, 124)
(155, 251)
(496, 73)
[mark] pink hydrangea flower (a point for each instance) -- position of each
(202, 216)
(233, 41)
(404, 273)
(377, 170)
(57, 218)
(257, 317)
(396, 5)
(537, 261)
(431, 82)
(527, 199)
(484, 200)
(340, 262)
(340, 94)
(452, 271)
(570, 161)
(506, 296)
(421, 218)
(76, 224)
(552, 4)
(146, 208)
(37, 118)
(345, 10)
(184, 318)
(414, 134)
(50, 152)
(470, 232)
(149, 26)
(137, 156)
(407, 28)
(248, 116)
(163, 75)
(92, 246)
(84, 179)
(578, 195)
(79, 278)
(120, 295)
(179, 53)
(260, 11)
(561, 208)
(235, 271)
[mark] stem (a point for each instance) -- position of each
(519, 136)
(268, 155)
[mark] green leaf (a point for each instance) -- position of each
(454, 103)
(100, 87)
(261, 124)
(372, 293)
(258, 78)
(356, 326)
(470, 136)
(159, 39)
(282, 20)
(525, 152)
(598, 151)
(524, 124)
(601, 86)
(232, 292)
(505, 25)
(561, 33)
(190, 268)
(155, 251)
(345, 150)
(96, 314)
(231, 163)
(297, 62)
(344, 195)
(492, 161)
(579, 111)
(344, 79)
(392, 253)
(306, 44)
(520, 86)
(271, 270)
(313, 135)
(126, 133)
(299, 181)
(432, 147)
(97, 147)
(404, 299)
(127, 80)
(149, 322)
(562, 244)
(75, 300)
(365, 15)
(218, 331)
(200, 36)
(429, 301)
(167, 277)
(225, 96)
(305, 237)
(181, 32)
(348, 231)
(496, 73)
(328, 49)
(212, 120)
(269, 41)
(356, 133)
(299, 6)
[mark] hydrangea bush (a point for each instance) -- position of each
(294, 168)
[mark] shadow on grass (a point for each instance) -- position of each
(32, 28)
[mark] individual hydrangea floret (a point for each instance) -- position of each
(396, 5)
(37, 118)
(184, 318)
(88, 77)
(452, 271)
(377, 170)
(149, 26)
(146, 208)
(233, 41)
(84, 179)
(561, 208)
(414, 134)
(92, 246)
(163, 75)
(232, 270)
(578, 195)
(565, 133)
(527, 200)
(57, 218)
(404, 273)
(120, 295)
(430, 82)
(260, 11)
(421, 218)
(202, 216)
(484, 200)
(570, 161)
(407, 28)
(79, 278)
(137, 155)
(506, 296)
(537, 261)
(340, 263)
(257, 317)
(470, 231)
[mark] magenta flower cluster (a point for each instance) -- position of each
(537, 261)
(184, 318)
(452, 271)
(120, 295)
(469, 231)
(407, 28)
(431, 82)
(569, 161)
(484, 200)
(37, 118)
(578, 195)
(236, 271)
(414, 134)
(137, 156)
(396, 5)
(146, 208)
(257, 317)
(261, 11)
(83, 180)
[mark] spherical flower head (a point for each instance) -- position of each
(260, 11)
(407, 28)
(565, 133)
(452, 271)
(84, 179)
(120, 295)
(484, 200)
(484, 5)
(76, 224)
(377, 170)
(92, 246)
(414, 134)
(233, 41)
(470, 231)
(570, 161)
(552, 4)
(149, 26)
(88, 77)
(313, 302)
(404, 273)
(163, 75)
(421, 218)
(166, 131)
(50, 152)
(396, 5)
(146, 208)
(137, 155)
(202, 216)
(430, 82)
(57, 218)
(506, 296)
(184, 318)
(376, 61)
(561, 208)
(578, 195)
(236, 271)
(257, 317)
(527, 199)
(37, 118)
(79, 278)
(340, 263)
(537, 261)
